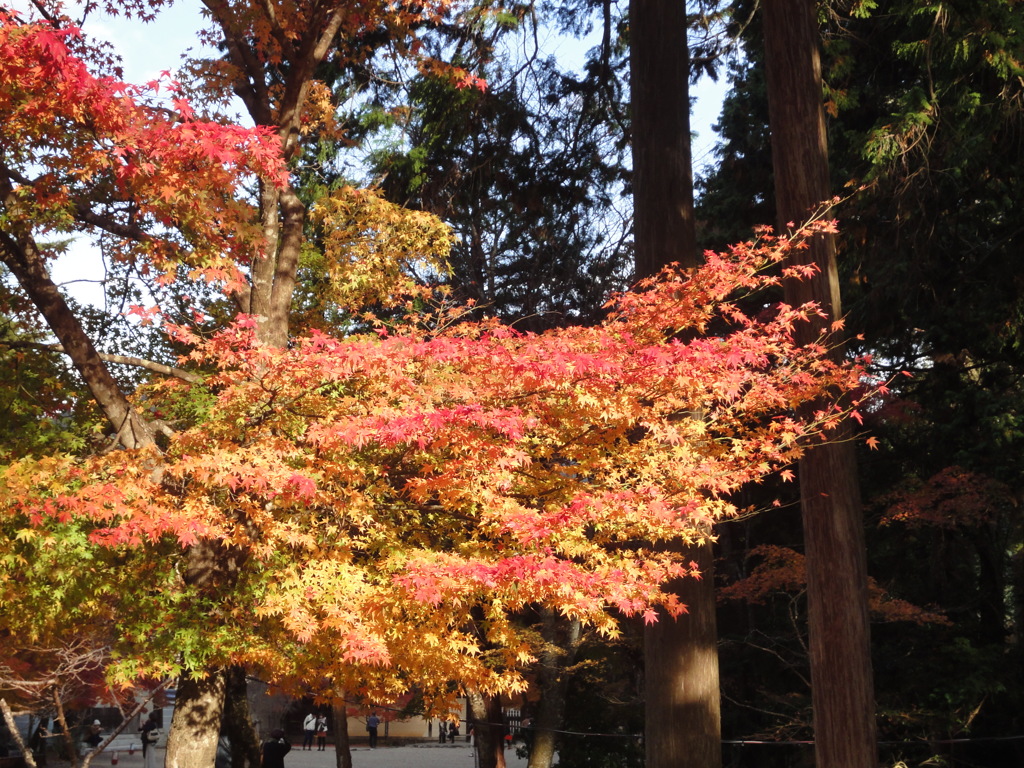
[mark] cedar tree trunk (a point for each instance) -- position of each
(840, 652)
(659, 62)
(682, 712)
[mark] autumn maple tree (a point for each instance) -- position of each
(163, 187)
(87, 153)
(430, 478)
(368, 509)
(134, 167)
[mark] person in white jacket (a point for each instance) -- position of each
(308, 731)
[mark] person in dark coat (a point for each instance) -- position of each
(94, 734)
(372, 722)
(274, 749)
(150, 731)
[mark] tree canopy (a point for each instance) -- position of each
(340, 410)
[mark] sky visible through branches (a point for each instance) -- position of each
(148, 49)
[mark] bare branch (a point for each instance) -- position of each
(138, 362)
(84, 214)
(62, 720)
(16, 735)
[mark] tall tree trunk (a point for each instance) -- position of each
(273, 276)
(682, 711)
(342, 748)
(485, 712)
(209, 565)
(659, 67)
(839, 640)
(199, 705)
(562, 637)
(195, 728)
(238, 725)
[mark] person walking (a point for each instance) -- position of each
(371, 728)
(150, 736)
(308, 731)
(274, 749)
(442, 731)
(321, 733)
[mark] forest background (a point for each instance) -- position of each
(924, 130)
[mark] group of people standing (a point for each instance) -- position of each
(274, 749)
(314, 727)
(447, 731)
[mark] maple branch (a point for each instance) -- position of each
(312, 50)
(73, 662)
(26, 262)
(13, 175)
(251, 90)
(138, 362)
(329, 31)
(84, 214)
(779, 715)
(275, 25)
(45, 13)
(786, 663)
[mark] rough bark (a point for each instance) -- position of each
(839, 641)
(293, 216)
(488, 723)
(562, 637)
(342, 747)
(262, 270)
(200, 702)
(195, 728)
(663, 219)
(237, 723)
(682, 712)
